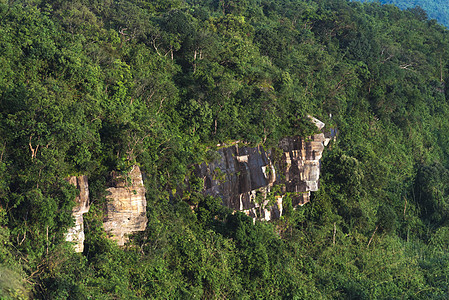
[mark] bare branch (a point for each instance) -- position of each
(406, 67)
(3, 151)
(335, 232)
(160, 105)
(371, 239)
(405, 206)
(33, 150)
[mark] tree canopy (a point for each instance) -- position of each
(434, 9)
(91, 87)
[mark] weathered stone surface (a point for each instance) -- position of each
(243, 176)
(237, 175)
(125, 211)
(300, 164)
(320, 125)
(76, 233)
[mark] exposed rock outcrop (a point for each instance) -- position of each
(125, 211)
(300, 164)
(241, 177)
(76, 233)
(244, 176)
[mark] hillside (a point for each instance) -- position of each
(433, 9)
(94, 88)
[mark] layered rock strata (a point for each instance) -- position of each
(76, 233)
(300, 164)
(125, 210)
(244, 176)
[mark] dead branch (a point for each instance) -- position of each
(407, 66)
(335, 232)
(388, 58)
(371, 239)
(155, 45)
(3, 151)
(33, 150)
(405, 205)
(39, 269)
(24, 236)
(160, 105)
(122, 32)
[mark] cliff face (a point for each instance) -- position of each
(243, 176)
(76, 233)
(300, 164)
(125, 211)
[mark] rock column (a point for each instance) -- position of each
(125, 211)
(76, 233)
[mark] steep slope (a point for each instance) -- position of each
(434, 9)
(96, 87)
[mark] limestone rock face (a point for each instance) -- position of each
(76, 233)
(300, 164)
(125, 211)
(243, 176)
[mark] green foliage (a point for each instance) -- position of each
(92, 87)
(434, 9)
(12, 278)
(431, 193)
(11, 285)
(386, 218)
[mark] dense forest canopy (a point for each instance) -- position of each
(90, 87)
(434, 9)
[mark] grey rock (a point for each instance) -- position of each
(243, 176)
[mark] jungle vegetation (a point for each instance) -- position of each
(88, 87)
(434, 9)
